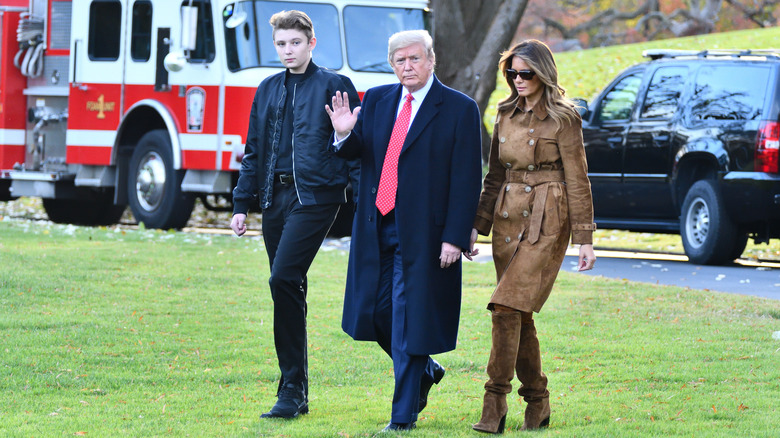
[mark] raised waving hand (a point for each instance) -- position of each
(341, 117)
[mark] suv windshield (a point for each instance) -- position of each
(249, 42)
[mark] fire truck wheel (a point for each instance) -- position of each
(5, 190)
(154, 187)
(81, 212)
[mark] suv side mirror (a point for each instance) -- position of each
(582, 107)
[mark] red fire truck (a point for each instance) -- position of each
(145, 103)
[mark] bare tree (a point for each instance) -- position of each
(699, 18)
(605, 22)
(601, 24)
(470, 36)
(759, 12)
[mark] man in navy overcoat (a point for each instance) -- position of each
(404, 279)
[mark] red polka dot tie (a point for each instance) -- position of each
(388, 182)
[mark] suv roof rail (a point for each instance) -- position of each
(654, 54)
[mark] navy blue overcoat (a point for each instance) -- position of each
(439, 182)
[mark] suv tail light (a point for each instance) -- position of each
(767, 147)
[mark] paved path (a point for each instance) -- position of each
(743, 277)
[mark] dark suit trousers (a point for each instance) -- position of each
(390, 322)
(292, 233)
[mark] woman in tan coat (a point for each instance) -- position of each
(536, 194)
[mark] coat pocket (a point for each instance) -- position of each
(556, 211)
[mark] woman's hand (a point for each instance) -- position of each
(471, 252)
(342, 119)
(587, 257)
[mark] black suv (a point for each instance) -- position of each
(688, 143)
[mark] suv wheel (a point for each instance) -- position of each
(708, 235)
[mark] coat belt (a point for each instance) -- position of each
(536, 178)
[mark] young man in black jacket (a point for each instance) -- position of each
(299, 183)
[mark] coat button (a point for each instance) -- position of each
(519, 236)
(531, 130)
(505, 214)
(503, 139)
(531, 167)
(507, 188)
(508, 165)
(373, 190)
(508, 239)
(528, 189)
(525, 213)
(531, 142)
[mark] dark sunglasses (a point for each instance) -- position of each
(525, 75)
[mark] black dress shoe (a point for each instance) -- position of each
(399, 427)
(290, 403)
(426, 383)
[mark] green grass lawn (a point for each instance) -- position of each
(116, 332)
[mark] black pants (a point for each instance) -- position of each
(292, 233)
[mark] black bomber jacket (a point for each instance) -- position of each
(320, 176)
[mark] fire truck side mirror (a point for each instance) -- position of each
(175, 61)
(236, 20)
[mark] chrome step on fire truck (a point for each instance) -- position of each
(145, 103)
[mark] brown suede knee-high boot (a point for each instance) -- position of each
(533, 381)
(500, 370)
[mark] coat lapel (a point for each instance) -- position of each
(426, 113)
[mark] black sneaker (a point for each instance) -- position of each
(290, 403)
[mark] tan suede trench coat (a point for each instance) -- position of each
(535, 195)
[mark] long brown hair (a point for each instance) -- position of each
(540, 59)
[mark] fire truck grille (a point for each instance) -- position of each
(60, 25)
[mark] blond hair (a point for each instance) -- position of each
(540, 59)
(296, 20)
(406, 38)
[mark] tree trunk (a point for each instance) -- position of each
(469, 37)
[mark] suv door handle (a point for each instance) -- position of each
(615, 140)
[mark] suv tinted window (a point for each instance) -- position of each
(663, 93)
(727, 93)
(619, 101)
